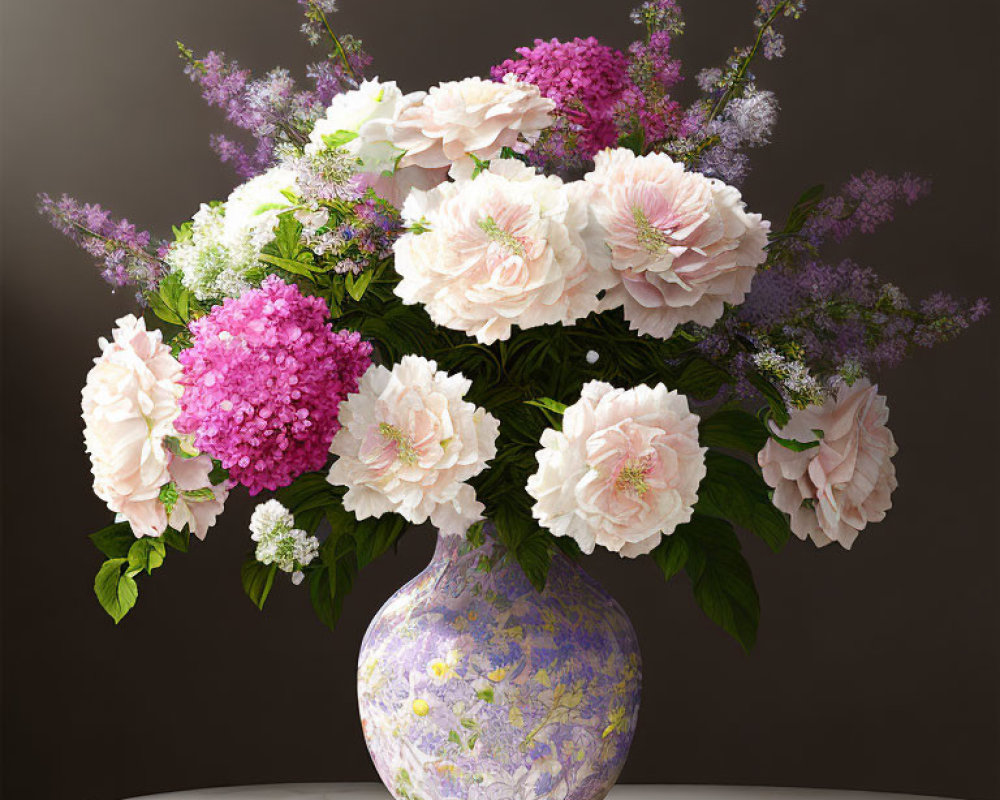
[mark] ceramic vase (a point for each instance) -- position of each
(472, 685)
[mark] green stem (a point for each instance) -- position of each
(745, 63)
(341, 52)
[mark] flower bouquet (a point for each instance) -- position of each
(531, 309)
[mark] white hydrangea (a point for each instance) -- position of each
(279, 542)
(219, 258)
(253, 208)
(208, 265)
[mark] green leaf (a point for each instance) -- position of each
(794, 444)
(548, 404)
(179, 540)
(145, 555)
(721, 578)
(636, 140)
(322, 592)
(287, 237)
(332, 580)
(701, 380)
(804, 208)
(289, 265)
(733, 429)
(308, 497)
(171, 301)
(115, 540)
(671, 555)
(162, 310)
(339, 138)
(775, 402)
(115, 592)
(734, 490)
(356, 285)
(485, 694)
(529, 544)
(454, 738)
(475, 536)
(257, 580)
(374, 537)
(218, 473)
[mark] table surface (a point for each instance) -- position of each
(371, 791)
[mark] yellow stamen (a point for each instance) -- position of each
(405, 451)
(632, 477)
(502, 237)
(650, 237)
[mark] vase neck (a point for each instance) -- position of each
(450, 545)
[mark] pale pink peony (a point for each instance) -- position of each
(194, 500)
(408, 444)
(623, 472)
(198, 502)
(505, 248)
(130, 402)
(681, 244)
(472, 116)
(834, 490)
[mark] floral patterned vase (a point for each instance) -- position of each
(472, 685)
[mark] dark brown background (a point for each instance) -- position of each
(875, 669)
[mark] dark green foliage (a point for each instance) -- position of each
(708, 550)
(735, 491)
(350, 545)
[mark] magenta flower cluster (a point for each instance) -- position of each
(585, 79)
(601, 94)
(263, 382)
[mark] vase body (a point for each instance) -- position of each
(472, 685)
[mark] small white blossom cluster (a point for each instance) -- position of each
(799, 387)
(222, 254)
(208, 266)
(279, 542)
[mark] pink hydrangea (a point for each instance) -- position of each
(263, 383)
(584, 78)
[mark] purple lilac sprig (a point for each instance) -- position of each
(354, 236)
(841, 319)
(865, 203)
(659, 15)
(734, 115)
(646, 102)
(348, 60)
(272, 109)
(125, 255)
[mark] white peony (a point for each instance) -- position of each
(833, 490)
(408, 444)
(623, 472)
(505, 248)
(681, 244)
(253, 208)
(471, 116)
(361, 122)
(130, 402)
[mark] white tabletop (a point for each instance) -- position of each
(371, 791)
